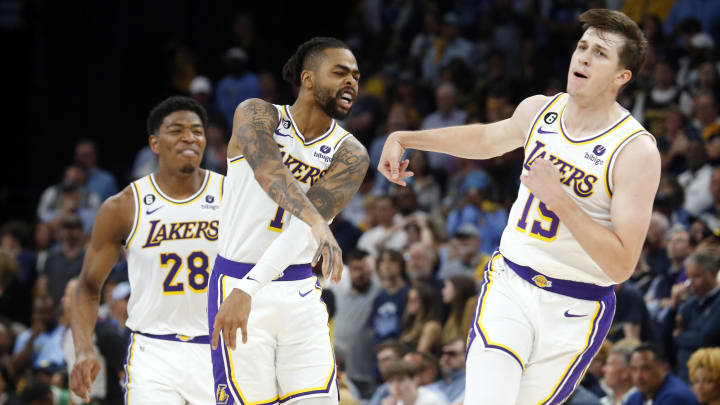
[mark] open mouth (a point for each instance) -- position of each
(580, 75)
(188, 152)
(346, 99)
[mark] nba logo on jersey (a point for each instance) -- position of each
(221, 394)
(541, 281)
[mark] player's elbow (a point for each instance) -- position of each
(620, 272)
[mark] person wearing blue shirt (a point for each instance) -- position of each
(656, 385)
(389, 305)
(452, 368)
(41, 345)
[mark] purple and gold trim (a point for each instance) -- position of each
(563, 130)
(299, 135)
(478, 329)
(611, 161)
(188, 200)
(238, 270)
(128, 364)
(537, 118)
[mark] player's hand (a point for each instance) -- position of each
(330, 252)
(83, 374)
(390, 165)
(543, 180)
(232, 314)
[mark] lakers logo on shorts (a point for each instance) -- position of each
(221, 394)
(183, 338)
(541, 281)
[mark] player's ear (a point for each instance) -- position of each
(154, 144)
(623, 77)
(307, 79)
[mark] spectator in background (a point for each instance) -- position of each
(672, 142)
(71, 196)
(707, 12)
(464, 255)
(475, 208)
(711, 137)
(36, 392)
(670, 200)
(64, 262)
(346, 233)
(697, 323)
(658, 294)
(421, 320)
(389, 305)
(711, 216)
(704, 366)
(707, 80)
(447, 114)
(654, 248)
(353, 336)
(424, 181)
(426, 365)
(14, 237)
(421, 262)
(40, 346)
(43, 242)
(705, 112)
(447, 46)
(238, 85)
(455, 294)
(400, 377)
(617, 376)
(215, 156)
(201, 90)
(387, 353)
(653, 380)
(388, 233)
(452, 371)
(112, 337)
(99, 181)
(15, 300)
(632, 319)
(653, 105)
(696, 179)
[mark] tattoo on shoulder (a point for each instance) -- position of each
(335, 190)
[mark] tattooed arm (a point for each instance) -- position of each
(253, 127)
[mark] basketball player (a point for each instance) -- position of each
(276, 156)
(577, 227)
(166, 224)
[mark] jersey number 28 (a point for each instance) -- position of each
(197, 280)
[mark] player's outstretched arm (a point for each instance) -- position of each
(473, 141)
(112, 225)
(253, 127)
(636, 177)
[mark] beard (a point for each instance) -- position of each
(187, 168)
(327, 101)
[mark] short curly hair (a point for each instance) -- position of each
(169, 106)
(707, 358)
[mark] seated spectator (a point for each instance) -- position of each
(238, 85)
(670, 200)
(352, 335)
(424, 181)
(655, 244)
(697, 323)
(711, 138)
(427, 367)
(452, 371)
(388, 233)
(41, 345)
(421, 262)
(632, 319)
(400, 377)
(474, 208)
(388, 306)
(652, 105)
(705, 113)
(653, 380)
(14, 236)
(448, 45)
(421, 320)
(387, 353)
(704, 366)
(711, 216)
(447, 114)
(455, 294)
(617, 376)
(99, 181)
(657, 297)
(592, 380)
(36, 392)
(15, 300)
(65, 261)
(696, 179)
(464, 255)
(71, 196)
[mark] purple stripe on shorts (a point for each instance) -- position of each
(568, 288)
(222, 386)
(599, 331)
(478, 309)
(239, 270)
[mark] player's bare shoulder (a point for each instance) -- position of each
(640, 155)
(116, 216)
(524, 114)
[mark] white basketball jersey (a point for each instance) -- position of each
(534, 235)
(250, 219)
(170, 252)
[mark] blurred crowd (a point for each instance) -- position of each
(414, 255)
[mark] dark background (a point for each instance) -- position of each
(93, 69)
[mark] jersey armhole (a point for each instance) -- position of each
(610, 166)
(136, 220)
(528, 134)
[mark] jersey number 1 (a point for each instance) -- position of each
(537, 230)
(277, 222)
